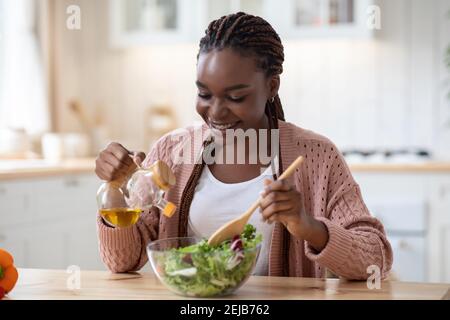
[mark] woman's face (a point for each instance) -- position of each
(232, 92)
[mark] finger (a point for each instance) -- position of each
(116, 167)
(105, 173)
(122, 154)
(264, 191)
(111, 159)
(276, 208)
(281, 185)
(138, 157)
(99, 171)
(274, 196)
(274, 218)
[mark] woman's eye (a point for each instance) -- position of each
(204, 95)
(236, 99)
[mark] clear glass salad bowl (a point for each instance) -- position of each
(188, 266)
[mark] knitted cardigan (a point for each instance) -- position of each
(329, 193)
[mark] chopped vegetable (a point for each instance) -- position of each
(203, 270)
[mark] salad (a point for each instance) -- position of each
(203, 270)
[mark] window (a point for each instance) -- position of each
(1, 54)
(23, 94)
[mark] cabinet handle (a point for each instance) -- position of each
(403, 245)
(72, 183)
(444, 191)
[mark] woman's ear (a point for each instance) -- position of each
(274, 85)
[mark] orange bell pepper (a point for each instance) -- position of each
(8, 272)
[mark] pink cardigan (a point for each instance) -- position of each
(330, 194)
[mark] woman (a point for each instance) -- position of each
(313, 221)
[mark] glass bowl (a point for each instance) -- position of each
(200, 274)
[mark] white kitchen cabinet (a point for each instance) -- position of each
(47, 247)
(15, 197)
(209, 10)
(16, 241)
(325, 18)
(415, 210)
(143, 22)
(410, 257)
(439, 243)
(52, 204)
(147, 22)
(50, 222)
(446, 256)
(83, 246)
(297, 19)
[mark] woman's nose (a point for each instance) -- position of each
(218, 109)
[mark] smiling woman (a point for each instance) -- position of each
(312, 222)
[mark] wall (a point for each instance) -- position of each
(385, 92)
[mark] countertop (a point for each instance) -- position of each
(23, 169)
(53, 284)
(425, 167)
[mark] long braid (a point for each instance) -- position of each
(187, 197)
(249, 35)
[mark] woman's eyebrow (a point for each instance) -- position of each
(231, 88)
(238, 86)
(201, 85)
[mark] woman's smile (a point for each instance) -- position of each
(225, 125)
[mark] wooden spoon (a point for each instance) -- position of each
(236, 226)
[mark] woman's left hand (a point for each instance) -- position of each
(282, 203)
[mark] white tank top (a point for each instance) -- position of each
(215, 203)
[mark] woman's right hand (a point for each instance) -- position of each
(115, 160)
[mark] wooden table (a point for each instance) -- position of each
(53, 284)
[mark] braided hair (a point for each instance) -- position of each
(250, 36)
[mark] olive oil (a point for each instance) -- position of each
(121, 201)
(121, 217)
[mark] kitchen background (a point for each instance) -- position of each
(373, 76)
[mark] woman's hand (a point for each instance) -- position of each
(282, 203)
(115, 160)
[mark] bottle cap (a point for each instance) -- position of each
(162, 176)
(169, 209)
